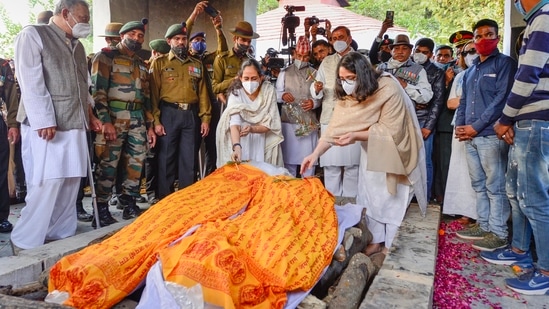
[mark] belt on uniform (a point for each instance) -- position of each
(180, 106)
(131, 106)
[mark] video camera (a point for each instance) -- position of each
(313, 20)
(274, 62)
(289, 23)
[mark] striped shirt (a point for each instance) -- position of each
(529, 97)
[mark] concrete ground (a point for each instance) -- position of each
(408, 266)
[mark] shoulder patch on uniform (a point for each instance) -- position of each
(223, 54)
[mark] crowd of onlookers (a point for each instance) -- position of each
(461, 125)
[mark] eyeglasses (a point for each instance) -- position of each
(471, 51)
(349, 81)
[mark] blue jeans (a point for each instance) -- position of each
(487, 161)
(528, 187)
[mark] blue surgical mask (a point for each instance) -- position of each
(520, 8)
(443, 66)
(199, 47)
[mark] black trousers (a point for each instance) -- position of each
(177, 149)
(209, 140)
(4, 164)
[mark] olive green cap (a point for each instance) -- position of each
(176, 29)
(160, 45)
(132, 25)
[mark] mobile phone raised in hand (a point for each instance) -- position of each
(390, 15)
(210, 10)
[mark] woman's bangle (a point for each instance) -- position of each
(237, 144)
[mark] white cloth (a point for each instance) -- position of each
(53, 168)
(459, 198)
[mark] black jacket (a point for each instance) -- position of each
(428, 117)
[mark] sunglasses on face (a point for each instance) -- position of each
(471, 51)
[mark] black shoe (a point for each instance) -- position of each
(5, 226)
(131, 212)
(83, 216)
(105, 217)
(141, 199)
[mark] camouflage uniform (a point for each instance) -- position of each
(121, 94)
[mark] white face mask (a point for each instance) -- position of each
(340, 46)
(80, 30)
(250, 86)
(393, 63)
(348, 86)
(420, 58)
(469, 59)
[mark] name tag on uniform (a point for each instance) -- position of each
(194, 71)
(230, 66)
(168, 69)
(124, 62)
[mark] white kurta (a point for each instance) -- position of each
(53, 168)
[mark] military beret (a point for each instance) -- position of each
(198, 34)
(132, 25)
(460, 37)
(112, 30)
(160, 45)
(176, 29)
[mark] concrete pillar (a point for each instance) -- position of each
(514, 24)
(163, 13)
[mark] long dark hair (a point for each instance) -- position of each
(236, 83)
(366, 76)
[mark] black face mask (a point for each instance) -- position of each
(241, 49)
(180, 52)
(132, 45)
(384, 56)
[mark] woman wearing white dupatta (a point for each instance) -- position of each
(374, 110)
(250, 127)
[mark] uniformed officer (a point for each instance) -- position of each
(112, 34)
(197, 49)
(227, 64)
(8, 135)
(121, 94)
(181, 110)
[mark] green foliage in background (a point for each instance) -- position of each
(436, 19)
(7, 37)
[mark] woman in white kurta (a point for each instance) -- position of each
(374, 110)
(460, 198)
(249, 128)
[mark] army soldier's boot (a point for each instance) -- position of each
(105, 217)
(131, 210)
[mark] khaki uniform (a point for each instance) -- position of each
(180, 103)
(226, 67)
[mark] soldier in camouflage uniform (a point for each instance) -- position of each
(8, 135)
(121, 94)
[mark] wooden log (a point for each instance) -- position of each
(311, 302)
(351, 287)
(355, 240)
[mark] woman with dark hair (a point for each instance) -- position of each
(374, 110)
(250, 128)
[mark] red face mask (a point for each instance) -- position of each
(486, 46)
